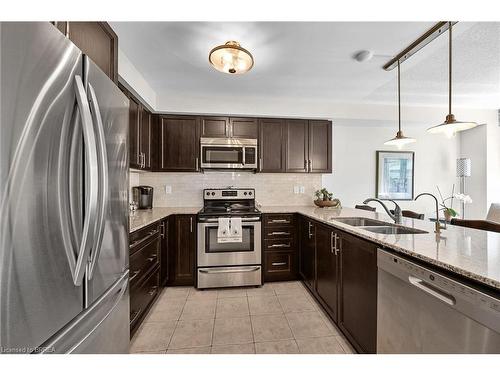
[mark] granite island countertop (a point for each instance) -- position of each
(141, 218)
(471, 253)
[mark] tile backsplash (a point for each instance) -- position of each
(270, 188)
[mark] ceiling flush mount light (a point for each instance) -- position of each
(451, 126)
(231, 58)
(399, 140)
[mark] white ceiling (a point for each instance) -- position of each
(313, 61)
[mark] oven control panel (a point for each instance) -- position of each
(228, 194)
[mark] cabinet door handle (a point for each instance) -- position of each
(196, 167)
(337, 250)
(153, 290)
(152, 257)
(310, 226)
(279, 233)
(162, 230)
(310, 165)
(275, 221)
(191, 224)
(134, 316)
(332, 247)
(279, 245)
(278, 264)
(134, 275)
(305, 165)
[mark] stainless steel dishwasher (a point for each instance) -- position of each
(422, 311)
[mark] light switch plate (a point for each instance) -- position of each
(302, 190)
(168, 189)
(296, 189)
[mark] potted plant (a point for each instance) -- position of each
(325, 199)
(448, 211)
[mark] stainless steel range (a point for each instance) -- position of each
(232, 262)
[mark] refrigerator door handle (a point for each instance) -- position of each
(78, 266)
(103, 178)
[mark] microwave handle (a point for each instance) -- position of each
(244, 155)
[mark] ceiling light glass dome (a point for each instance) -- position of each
(231, 58)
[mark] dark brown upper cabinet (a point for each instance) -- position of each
(320, 146)
(146, 128)
(140, 133)
(179, 144)
(97, 40)
(229, 127)
(296, 138)
(272, 146)
(134, 121)
(215, 127)
(244, 127)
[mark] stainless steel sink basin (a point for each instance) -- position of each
(393, 229)
(360, 221)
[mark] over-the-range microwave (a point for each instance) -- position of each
(228, 153)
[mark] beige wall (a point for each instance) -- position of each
(270, 188)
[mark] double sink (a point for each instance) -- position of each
(377, 226)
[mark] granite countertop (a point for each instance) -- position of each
(141, 218)
(472, 253)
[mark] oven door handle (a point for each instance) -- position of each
(243, 219)
(232, 270)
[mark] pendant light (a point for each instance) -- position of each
(399, 140)
(450, 126)
(231, 58)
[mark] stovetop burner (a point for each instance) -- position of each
(229, 202)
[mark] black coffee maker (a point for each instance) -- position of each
(143, 196)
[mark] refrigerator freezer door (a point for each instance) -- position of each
(109, 258)
(40, 184)
(100, 329)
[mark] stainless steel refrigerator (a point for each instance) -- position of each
(63, 202)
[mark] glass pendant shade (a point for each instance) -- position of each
(399, 140)
(451, 126)
(231, 58)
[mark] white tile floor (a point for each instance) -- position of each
(275, 318)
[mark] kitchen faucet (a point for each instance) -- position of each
(438, 224)
(398, 215)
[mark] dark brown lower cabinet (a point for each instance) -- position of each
(340, 271)
(327, 269)
(164, 260)
(142, 297)
(357, 316)
(145, 258)
(307, 252)
(182, 255)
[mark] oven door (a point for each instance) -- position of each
(222, 156)
(212, 253)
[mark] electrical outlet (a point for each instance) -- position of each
(168, 189)
(296, 189)
(302, 189)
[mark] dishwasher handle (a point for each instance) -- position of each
(433, 291)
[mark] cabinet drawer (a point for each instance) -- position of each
(143, 235)
(271, 233)
(141, 297)
(279, 244)
(280, 265)
(279, 219)
(144, 259)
